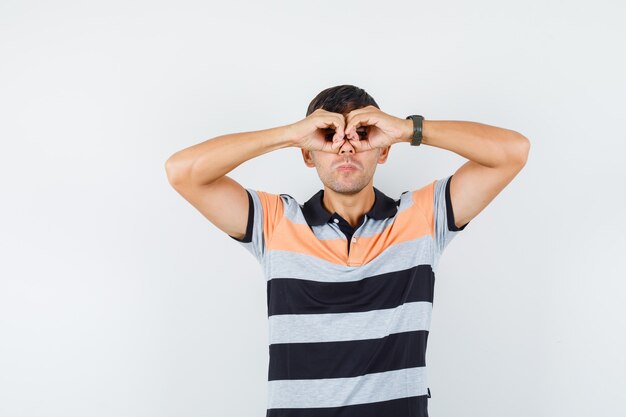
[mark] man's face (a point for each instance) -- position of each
(346, 181)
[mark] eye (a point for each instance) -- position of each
(328, 135)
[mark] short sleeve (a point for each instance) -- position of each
(264, 212)
(444, 229)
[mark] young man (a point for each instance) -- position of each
(350, 273)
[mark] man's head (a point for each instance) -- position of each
(343, 99)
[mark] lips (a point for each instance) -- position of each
(346, 167)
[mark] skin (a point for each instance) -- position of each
(495, 156)
(349, 193)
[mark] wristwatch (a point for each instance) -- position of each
(417, 129)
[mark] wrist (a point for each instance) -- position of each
(426, 130)
(417, 126)
(407, 132)
(290, 137)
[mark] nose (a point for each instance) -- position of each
(347, 147)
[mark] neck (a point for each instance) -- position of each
(352, 207)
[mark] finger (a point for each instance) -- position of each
(328, 147)
(354, 123)
(348, 128)
(356, 144)
(339, 124)
(332, 121)
(353, 133)
(337, 145)
(348, 132)
(353, 120)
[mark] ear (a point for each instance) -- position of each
(308, 158)
(383, 154)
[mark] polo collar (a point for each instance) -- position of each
(316, 214)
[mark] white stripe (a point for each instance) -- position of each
(397, 257)
(337, 392)
(332, 327)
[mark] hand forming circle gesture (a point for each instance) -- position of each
(382, 129)
(366, 128)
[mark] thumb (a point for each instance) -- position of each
(337, 143)
(356, 144)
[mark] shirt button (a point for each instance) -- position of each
(354, 240)
(336, 220)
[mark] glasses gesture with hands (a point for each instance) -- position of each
(366, 128)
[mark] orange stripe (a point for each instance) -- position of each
(415, 222)
(424, 198)
(273, 211)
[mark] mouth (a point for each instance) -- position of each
(346, 167)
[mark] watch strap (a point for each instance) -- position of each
(417, 119)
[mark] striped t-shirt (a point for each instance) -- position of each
(349, 309)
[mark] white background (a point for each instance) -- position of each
(118, 298)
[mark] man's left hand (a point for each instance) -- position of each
(384, 129)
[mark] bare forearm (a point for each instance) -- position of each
(209, 160)
(487, 145)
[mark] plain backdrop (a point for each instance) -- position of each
(118, 298)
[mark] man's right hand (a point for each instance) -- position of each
(320, 131)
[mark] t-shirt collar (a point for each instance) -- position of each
(316, 215)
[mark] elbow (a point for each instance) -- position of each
(520, 149)
(174, 170)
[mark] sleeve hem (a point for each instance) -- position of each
(248, 236)
(449, 213)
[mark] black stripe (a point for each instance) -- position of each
(299, 296)
(345, 359)
(248, 237)
(400, 407)
(450, 214)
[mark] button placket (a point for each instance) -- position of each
(354, 241)
(340, 232)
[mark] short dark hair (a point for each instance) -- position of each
(341, 99)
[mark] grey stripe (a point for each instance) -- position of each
(292, 211)
(442, 235)
(257, 246)
(333, 327)
(331, 231)
(337, 392)
(400, 256)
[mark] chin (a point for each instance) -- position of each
(347, 187)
